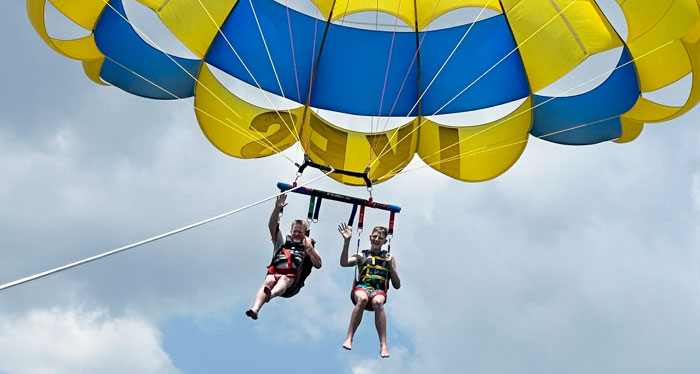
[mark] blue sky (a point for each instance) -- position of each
(578, 259)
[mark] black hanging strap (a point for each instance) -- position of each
(352, 215)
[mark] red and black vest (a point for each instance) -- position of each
(298, 264)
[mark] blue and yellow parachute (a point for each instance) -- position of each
(324, 64)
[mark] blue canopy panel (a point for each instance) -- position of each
(353, 78)
(353, 64)
(488, 42)
(117, 40)
(241, 30)
(592, 117)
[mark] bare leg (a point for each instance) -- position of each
(260, 296)
(380, 322)
(356, 317)
(280, 286)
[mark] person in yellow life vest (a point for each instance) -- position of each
(292, 259)
(376, 267)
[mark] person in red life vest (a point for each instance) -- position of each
(292, 259)
(376, 267)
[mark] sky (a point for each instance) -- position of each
(577, 259)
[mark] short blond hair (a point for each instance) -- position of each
(380, 229)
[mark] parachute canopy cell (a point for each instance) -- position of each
(425, 75)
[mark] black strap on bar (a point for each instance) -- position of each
(352, 215)
(318, 208)
(308, 162)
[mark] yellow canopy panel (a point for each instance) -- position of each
(427, 10)
(630, 130)
(194, 22)
(555, 36)
(83, 12)
(476, 153)
(92, 69)
(648, 111)
(386, 152)
(659, 56)
(80, 49)
(238, 128)
(668, 19)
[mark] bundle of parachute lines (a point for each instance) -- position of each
(412, 72)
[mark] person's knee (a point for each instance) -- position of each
(378, 303)
(361, 299)
(286, 280)
(269, 281)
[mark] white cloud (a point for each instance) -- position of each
(55, 341)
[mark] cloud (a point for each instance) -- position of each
(80, 341)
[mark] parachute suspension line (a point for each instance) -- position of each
(149, 240)
(259, 141)
(482, 150)
(302, 146)
(272, 146)
(345, 13)
(517, 47)
(315, 64)
(386, 78)
(376, 17)
(563, 93)
(138, 30)
(240, 59)
(420, 98)
(269, 56)
(415, 60)
(459, 43)
(291, 40)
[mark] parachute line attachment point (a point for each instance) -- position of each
(309, 162)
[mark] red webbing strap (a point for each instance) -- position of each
(361, 220)
(390, 231)
(289, 258)
(391, 224)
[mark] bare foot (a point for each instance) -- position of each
(347, 344)
(384, 351)
(250, 313)
(268, 294)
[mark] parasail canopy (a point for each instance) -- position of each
(323, 63)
